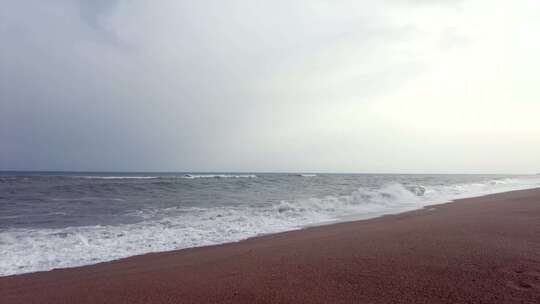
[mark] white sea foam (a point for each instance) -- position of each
(116, 177)
(186, 176)
(29, 250)
(195, 176)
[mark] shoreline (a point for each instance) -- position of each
(280, 267)
(341, 220)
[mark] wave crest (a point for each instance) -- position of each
(196, 176)
(182, 227)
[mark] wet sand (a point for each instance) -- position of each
(480, 250)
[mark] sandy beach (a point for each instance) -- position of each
(479, 250)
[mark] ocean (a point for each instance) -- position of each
(57, 220)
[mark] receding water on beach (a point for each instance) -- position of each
(56, 220)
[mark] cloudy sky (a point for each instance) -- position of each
(434, 86)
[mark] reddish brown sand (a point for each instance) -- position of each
(482, 250)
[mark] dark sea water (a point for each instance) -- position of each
(53, 220)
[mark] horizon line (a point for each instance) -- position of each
(259, 172)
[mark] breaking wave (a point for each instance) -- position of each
(184, 176)
(116, 177)
(28, 250)
(304, 175)
(195, 176)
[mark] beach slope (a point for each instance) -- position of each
(479, 250)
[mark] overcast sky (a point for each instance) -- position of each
(416, 86)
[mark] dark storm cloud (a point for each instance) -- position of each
(195, 90)
(196, 85)
(95, 14)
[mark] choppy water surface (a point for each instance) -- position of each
(58, 220)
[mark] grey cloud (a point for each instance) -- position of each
(191, 85)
